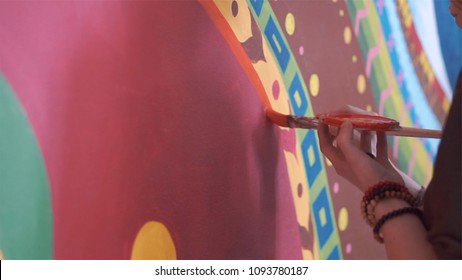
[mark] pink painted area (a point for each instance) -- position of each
(361, 14)
(275, 89)
(336, 188)
(348, 248)
(400, 78)
(140, 122)
(383, 97)
(380, 6)
(409, 105)
(390, 43)
(371, 55)
(301, 50)
(289, 140)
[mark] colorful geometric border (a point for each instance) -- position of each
(320, 200)
(412, 154)
(304, 162)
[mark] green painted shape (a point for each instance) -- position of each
(26, 230)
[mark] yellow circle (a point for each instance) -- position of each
(343, 219)
(341, 13)
(354, 58)
(347, 35)
(153, 242)
(314, 84)
(361, 84)
(290, 24)
(369, 108)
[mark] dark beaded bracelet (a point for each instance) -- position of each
(391, 215)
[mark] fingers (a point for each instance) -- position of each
(345, 140)
(365, 142)
(348, 143)
(361, 167)
(348, 147)
(334, 154)
(350, 159)
(382, 146)
(382, 150)
(326, 143)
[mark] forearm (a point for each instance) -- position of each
(405, 236)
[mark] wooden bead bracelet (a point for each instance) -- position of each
(381, 191)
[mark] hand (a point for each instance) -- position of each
(349, 155)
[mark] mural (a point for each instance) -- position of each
(136, 129)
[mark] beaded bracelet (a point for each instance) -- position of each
(380, 191)
(368, 207)
(394, 214)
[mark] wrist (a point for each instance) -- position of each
(385, 201)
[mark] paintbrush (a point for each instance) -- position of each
(293, 121)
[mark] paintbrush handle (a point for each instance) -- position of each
(415, 132)
(311, 123)
(293, 121)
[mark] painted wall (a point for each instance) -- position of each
(137, 129)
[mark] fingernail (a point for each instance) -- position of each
(346, 124)
(371, 155)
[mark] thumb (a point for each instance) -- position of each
(345, 138)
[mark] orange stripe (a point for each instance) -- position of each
(237, 49)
